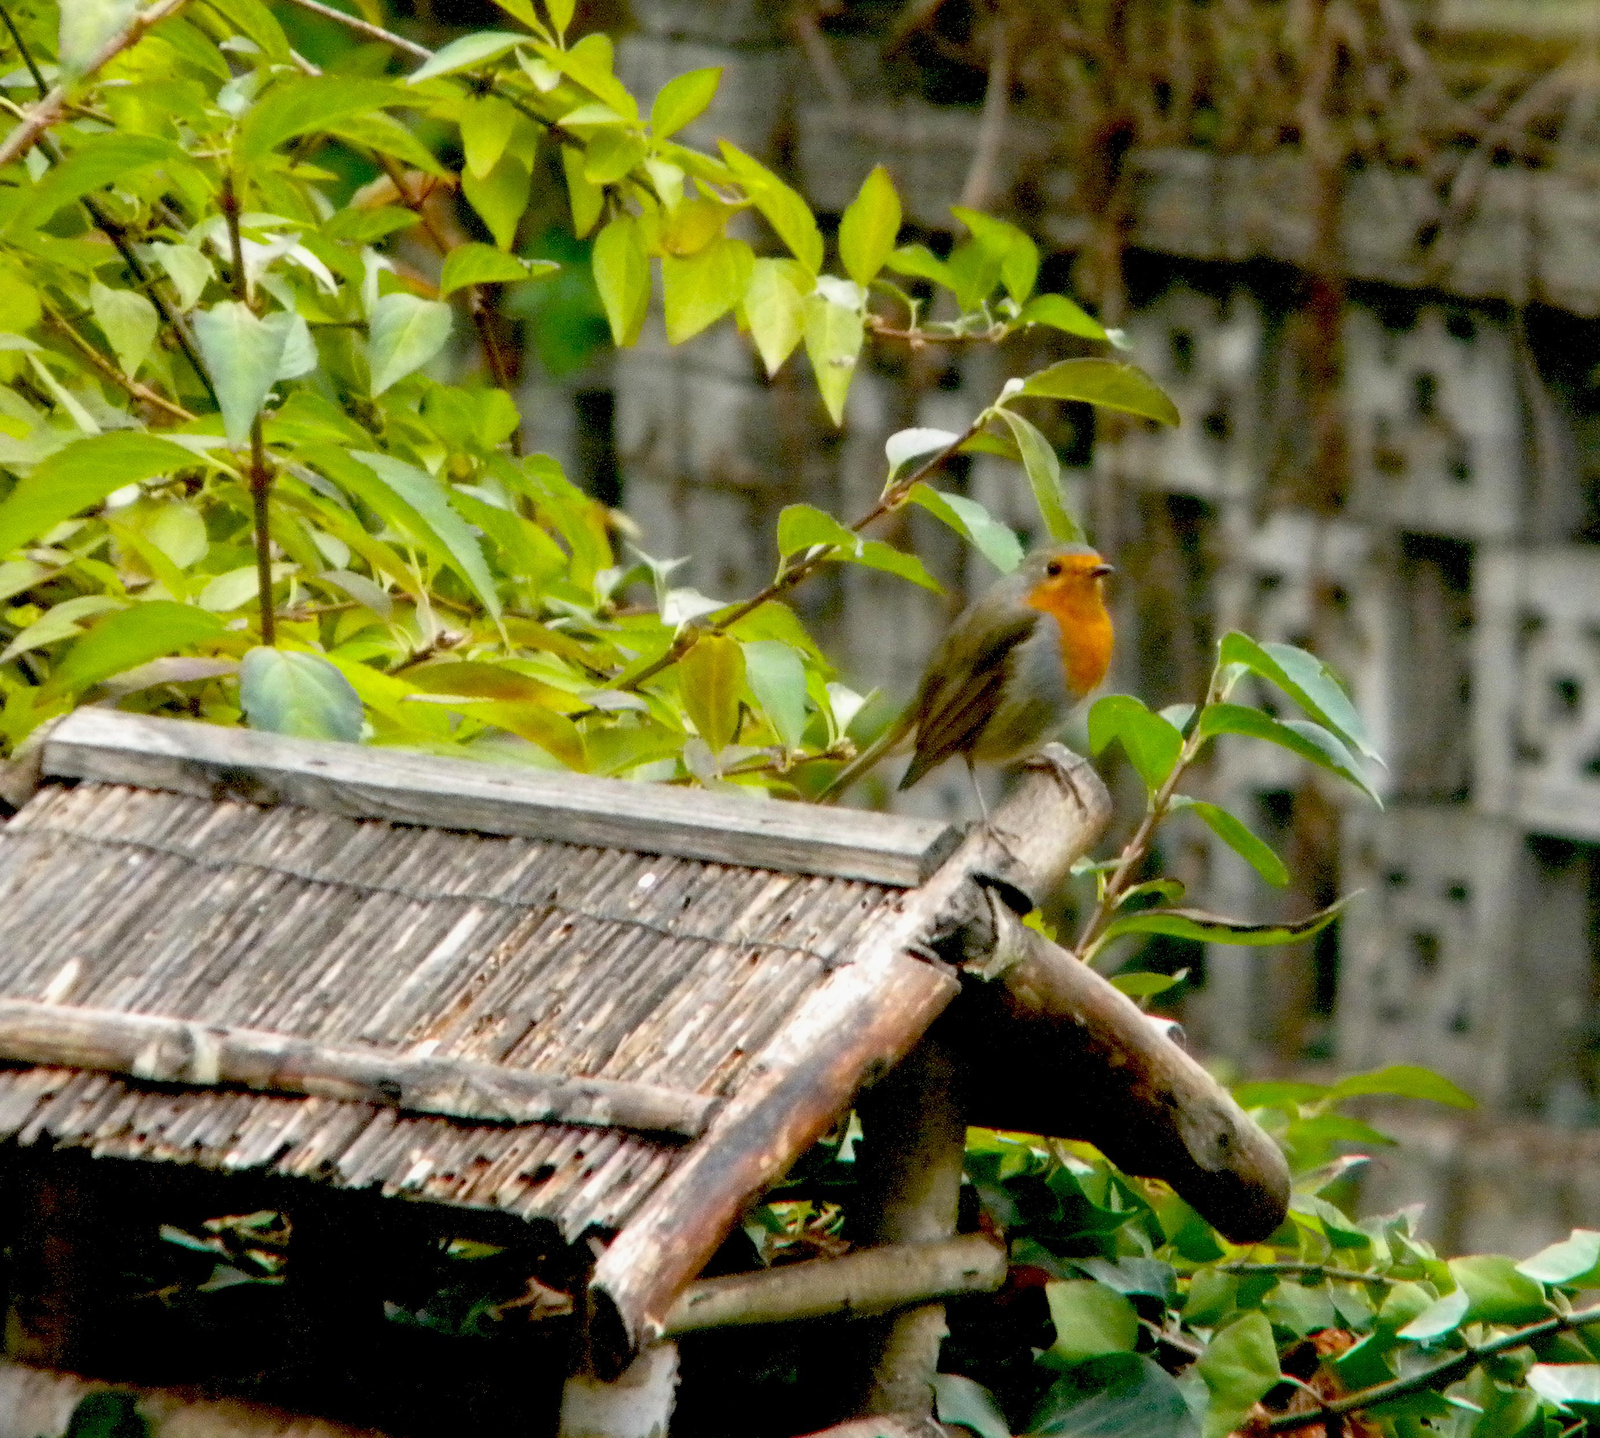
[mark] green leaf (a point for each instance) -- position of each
(190, 271)
(1576, 1257)
(1089, 1319)
(1309, 741)
(487, 123)
(109, 1415)
(1239, 1368)
(99, 161)
(802, 526)
(475, 49)
(1278, 1093)
(58, 622)
(590, 63)
(253, 20)
(476, 264)
(683, 99)
(1566, 1383)
(774, 308)
(303, 104)
(1104, 383)
(875, 554)
(1403, 1081)
(1498, 1292)
(622, 275)
(243, 355)
(81, 475)
(868, 229)
(783, 209)
(560, 13)
(1008, 253)
(995, 541)
(1233, 832)
(1118, 1395)
(586, 199)
(1208, 928)
(1306, 680)
(128, 320)
(128, 638)
(1060, 313)
(501, 196)
(908, 447)
(699, 289)
(1151, 743)
(447, 534)
(406, 332)
(776, 675)
(612, 154)
(920, 263)
(960, 1400)
(711, 677)
(1443, 1315)
(834, 334)
(86, 25)
(285, 691)
(1145, 985)
(1044, 474)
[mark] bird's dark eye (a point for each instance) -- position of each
(1053, 568)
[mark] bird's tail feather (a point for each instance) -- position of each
(864, 761)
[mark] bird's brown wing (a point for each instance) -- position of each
(963, 688)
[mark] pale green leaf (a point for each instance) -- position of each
(907, 447)
(612, 154)
(622, 276)
(960, 1400)
(1118, 1395)
(303, 104)
(867, 231)
(406, 332)
(1566, 1383)
(774, 308)
(834, 335)
(700, 288)
(80, 475)
(86, 25)
(682, 100)
(1497, 1292)
(591, 64)
(501, 196)
(243, 356)
(128, 320)
(1403, 1081)
(478, 48)
(1104, 383)
(285, 691)
(586, 199)
(921, 263)
(1149, 741)
(776, 675)
(1060, 313)
(1575, 1257)
(1044, 475)
(1089, 1319)
(60, 621)
(1306, 680)
(803, 526)
(995, 541)
(1309, 741)
(189, 270)
(1239, 1368)
(1443, 1315)
(475, 264)
(486, 124)
(783, 209)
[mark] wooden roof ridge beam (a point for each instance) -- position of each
(1083, 1061)
(360, 781)
(855, 1027)
(156, 1049)
(868, 1281)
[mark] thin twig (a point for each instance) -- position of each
(1308, 1270)
(141, 392)
(52, 106)
(364, 27)
(1439, 1375)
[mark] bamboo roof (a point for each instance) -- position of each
(424, 938)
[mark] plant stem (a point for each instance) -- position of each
(52, 105)
(363, 27)
(1437, 1376)
(260, 470)
(1308, 1270)
(794, 571)
(141, 392)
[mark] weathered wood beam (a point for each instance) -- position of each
(909, 1162)
(362, 782)
(867, 1282)
(1054, 1049)
(853, 1029)
(39, 1402)
(156, 1049)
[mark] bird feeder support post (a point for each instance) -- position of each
(914, 1136)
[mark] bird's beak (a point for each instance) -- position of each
(1101, 570)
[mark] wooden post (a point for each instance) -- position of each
(909, 1165)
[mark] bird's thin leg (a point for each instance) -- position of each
(972, 774)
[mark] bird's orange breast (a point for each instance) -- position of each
(1086, 635)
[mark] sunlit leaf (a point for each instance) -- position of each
(487, 123)
(701, 288)
(1574, 1257)
(1306, 680)
(406, 332)
(1044, 475)
(478, 48)
(683, 99)
(475, 264)
(995, 541)
(1207, 928)
(284, 691)
(1497, 1291)
(783, 209)
(501, 196)
(130, 637)
(869, 226)
(774, 308)
(1104, 383)
(1403, 1081)
(1149, 741)
(834, 335)
(1443, 1315)
(1060, 313)
(622, 276)
(711, 676)
(1566, 1383)
(1089, 1319)
(906, 448)
(776, 675)
(1237, 836)
(304, 103)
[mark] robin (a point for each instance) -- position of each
(1008, 673)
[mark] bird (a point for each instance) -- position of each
(1009, 671)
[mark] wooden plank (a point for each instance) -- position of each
(209, 761)
(868, 1281)
(156, 1049)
